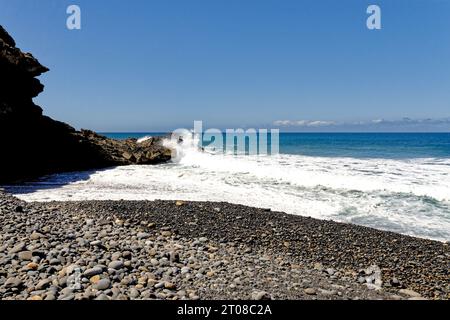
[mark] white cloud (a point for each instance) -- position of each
(283, 123)
(406, 124)
(303, 123)
(320, 123)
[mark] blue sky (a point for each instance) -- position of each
(145, 65)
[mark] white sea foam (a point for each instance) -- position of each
(406, 196)
(143, 139)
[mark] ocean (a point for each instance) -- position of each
(396, 182)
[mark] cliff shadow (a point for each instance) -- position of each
(53, 181)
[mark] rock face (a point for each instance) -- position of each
(32, 144)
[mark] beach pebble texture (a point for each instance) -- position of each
(166, 250)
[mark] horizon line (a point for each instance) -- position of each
(321, 132)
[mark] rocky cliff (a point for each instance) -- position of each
(32, 144)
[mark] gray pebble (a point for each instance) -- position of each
(116, 265)
(93, 272)
(103, 284)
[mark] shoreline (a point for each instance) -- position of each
(268, 254)
(400, 198)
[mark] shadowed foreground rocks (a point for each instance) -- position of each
(33, 144)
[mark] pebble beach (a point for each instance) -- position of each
(175, 250)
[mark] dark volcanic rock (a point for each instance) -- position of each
(33, 145)
(6, 37)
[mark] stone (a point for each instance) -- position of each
(112, 272)
(143, 235)
(43, 284)
(103, 284)
(142, 280)
(94, 279)
(395, 282)
(71, 269)
(18, 247)
(154, 262)
(318, 266)
(127, 155)
(331, 271)
(169, 286)
(126, 255)
(67, 297)
(372, 286)
(174, 257)
(25, 255)
(411, 293)
(327, 292)
(116, 256)
(36, 235)
(66, 291)
(116, 265)
(32, 266)
(134, 293)
(310, 291)
(261, 295)
(93, 272)
(50, 297)
(151, 282)
(166, 233)
(13, 283)
(164, 262)
(185, 270)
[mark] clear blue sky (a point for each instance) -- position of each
(145, 65)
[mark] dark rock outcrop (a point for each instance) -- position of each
(33, 145)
